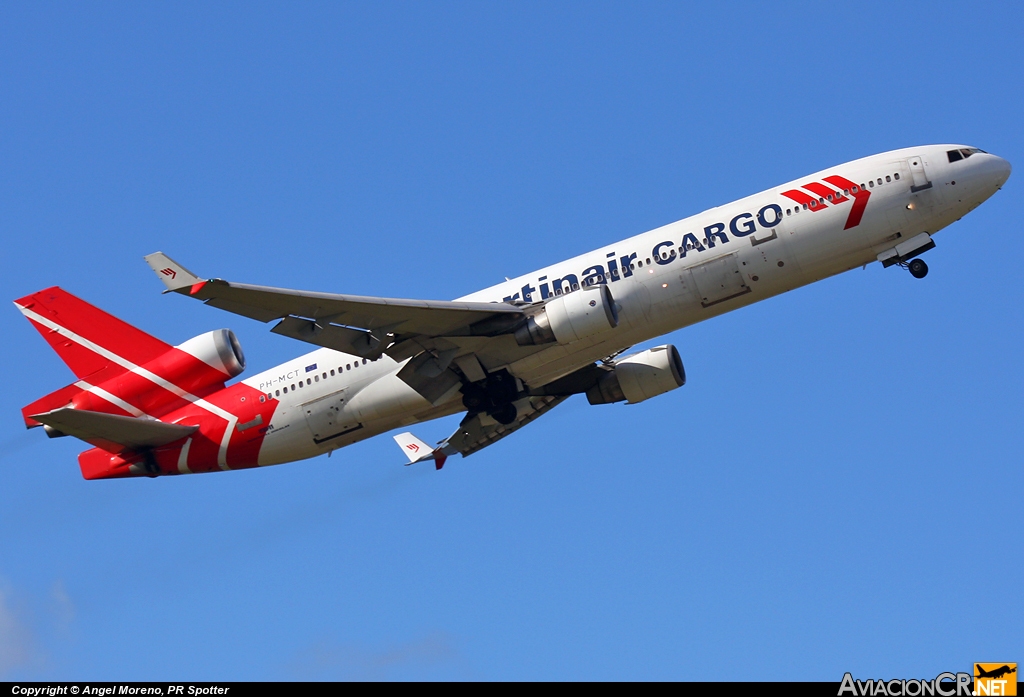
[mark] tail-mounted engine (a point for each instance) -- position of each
(570, 317)
(197, 366)
(218, 349)
(640, 376)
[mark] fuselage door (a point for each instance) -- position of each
(324, 415)
(718, 280)
(921, 181)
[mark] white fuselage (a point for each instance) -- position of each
(662, 280)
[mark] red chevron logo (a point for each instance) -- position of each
(823, 193)
(860, 199)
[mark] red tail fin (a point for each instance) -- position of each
(85, 337)
(89, 340)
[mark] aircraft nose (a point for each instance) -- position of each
(992, 171)
(1000, 171)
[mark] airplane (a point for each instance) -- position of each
(504, 355)
(994, 673)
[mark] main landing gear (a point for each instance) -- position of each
(494, 396)
(917, 268)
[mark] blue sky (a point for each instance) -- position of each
(832, 490)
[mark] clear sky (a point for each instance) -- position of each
(832, 490)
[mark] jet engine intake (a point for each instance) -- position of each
(570, 317)
(640, 376)
(218, 349)
(202, 363)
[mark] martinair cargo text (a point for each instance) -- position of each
(504, 355)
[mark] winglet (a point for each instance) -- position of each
(171, 273)
(418, 451)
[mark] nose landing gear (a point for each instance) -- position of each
(905, 254)
(917, 268)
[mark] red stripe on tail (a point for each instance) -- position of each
(74, 315)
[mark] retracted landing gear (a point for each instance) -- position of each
(917, 268)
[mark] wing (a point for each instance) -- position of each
(111, 432)
(478, 431)
(360, 325)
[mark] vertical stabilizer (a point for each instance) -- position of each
(96, 346)
(90, 341)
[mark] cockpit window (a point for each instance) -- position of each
(962, 153)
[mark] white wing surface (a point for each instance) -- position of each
(414, 449)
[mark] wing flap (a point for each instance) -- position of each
(477, 432)
(353, 341)
(260, 314)
(111, 432)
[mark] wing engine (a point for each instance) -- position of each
(570, 317)
(639, 376)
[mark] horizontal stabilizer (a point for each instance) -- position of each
(113, 433)
(54, 400)
(418, 451)
(171, 273)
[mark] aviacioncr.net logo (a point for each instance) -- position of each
(995, 679)
(943, 685)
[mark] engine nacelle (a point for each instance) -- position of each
(200, 364)
(570, 317)
(218, 349)
(640, 376)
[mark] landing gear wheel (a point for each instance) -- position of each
(474, 399)
(504, 414)
(149, 464)
(917, 268)
(501, 387)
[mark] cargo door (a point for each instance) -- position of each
(718, 280)
(324, 416)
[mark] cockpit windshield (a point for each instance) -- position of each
(962, 153)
